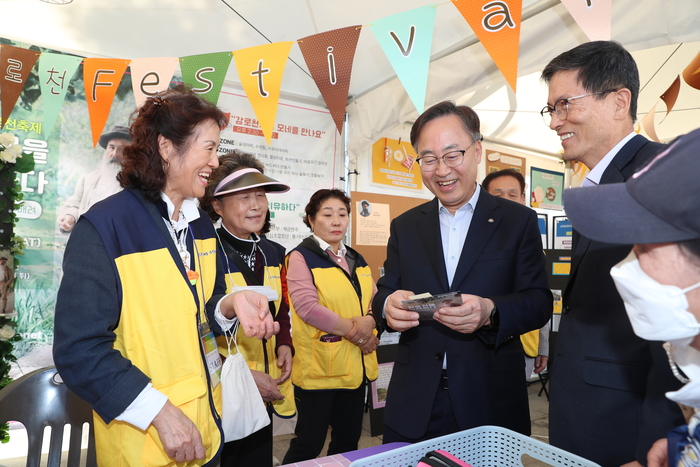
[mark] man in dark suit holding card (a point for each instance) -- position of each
(463, 368)
(607, 385)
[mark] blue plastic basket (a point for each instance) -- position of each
(485, 446)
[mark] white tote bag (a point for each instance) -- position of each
(243, 411)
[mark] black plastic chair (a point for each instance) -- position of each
(40, 399)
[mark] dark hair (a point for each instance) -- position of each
(469, 118)
(228, 163)
(691, 250)
(318, 198)
(504, 173)
(174, 114)
(601, 65)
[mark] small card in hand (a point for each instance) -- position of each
(426, 305)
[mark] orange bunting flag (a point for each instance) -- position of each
(329, 56)
(691, 74)
(15, 63)
(497, 25)
(149, 76)
(671, 94)
(594, 17)
(102, 77)
(260, 70)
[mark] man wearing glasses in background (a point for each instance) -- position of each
(607, 400)
(463, 367)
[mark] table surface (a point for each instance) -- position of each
(345, 459)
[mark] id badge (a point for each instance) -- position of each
(211, 353)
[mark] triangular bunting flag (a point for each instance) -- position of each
(594, 17)
(406, 39)
(497, 25)
(329, 56)
(102, 77)
(691, 74)
(55, 73)
(671, 94)
(205, 73)
(15, 65)
(150, 76)
(260, 70)
(649, 126)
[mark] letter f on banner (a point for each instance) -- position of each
(497, 25)
(102, 77)
(260, 70)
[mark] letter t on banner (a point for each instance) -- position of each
(260, 70)
(102, 77)
(15, 65)
(497, 25)
(329, 56)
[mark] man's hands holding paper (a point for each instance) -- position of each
(471, 315)
(466, 318)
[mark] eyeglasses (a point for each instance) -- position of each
(450, 159)
(561, 107)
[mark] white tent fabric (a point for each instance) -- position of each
(461, 69)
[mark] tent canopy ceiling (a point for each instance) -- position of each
(460, 69)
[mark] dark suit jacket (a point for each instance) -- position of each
(501, 259)
(607, 385)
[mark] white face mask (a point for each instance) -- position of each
(657, 312)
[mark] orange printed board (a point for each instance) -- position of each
(394, 164)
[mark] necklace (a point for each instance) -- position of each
(181, 244)
(674, 368)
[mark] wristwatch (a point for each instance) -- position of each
(495, 320)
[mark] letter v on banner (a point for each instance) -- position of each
(497, 25)
(15, 65)
(406, 39)
(260, 70)
(102, 77)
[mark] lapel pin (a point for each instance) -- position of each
(490, 221)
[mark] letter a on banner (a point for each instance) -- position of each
(406, 39)
(55, 73)
(102, 77)
(15, 65)
(497, 25)
(594, 17)
(329, 56)
(150, 76)
(205, 73)
(260, 70)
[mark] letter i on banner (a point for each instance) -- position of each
(55, 73)
(205, 73)
(102, 77)
(329, 56)
(15, 65)
(149, 76)
(260, 70)
(406, 39)
(497, 25)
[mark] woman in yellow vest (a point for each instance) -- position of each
(142, 295)
(334, 331)
(236, 194)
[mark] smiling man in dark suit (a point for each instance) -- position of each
(464, 368)
(607, 399)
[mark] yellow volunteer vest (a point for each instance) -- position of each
(332, 365)
(156, 296)
(261, 357)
